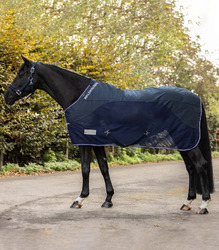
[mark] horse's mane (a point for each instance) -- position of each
(61, 70)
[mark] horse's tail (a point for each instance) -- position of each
(204, 146)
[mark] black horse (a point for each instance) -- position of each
(66, 87)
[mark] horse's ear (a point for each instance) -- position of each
(26, 61)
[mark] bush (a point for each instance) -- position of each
(10, 167)
(49, 156)
(62, 166)
(136, 155)
(36, 168)
(60, 156)
(126, 157)
(31, 168)
(215, 154)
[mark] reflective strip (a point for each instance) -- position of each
(90, 132)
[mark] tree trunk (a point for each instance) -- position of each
(113, 151)
(1, 160)
(67, 148)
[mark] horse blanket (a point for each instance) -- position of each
(164, 117)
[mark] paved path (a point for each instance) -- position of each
(35, 213)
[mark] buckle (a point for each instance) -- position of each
(18, 92)
(32, 70)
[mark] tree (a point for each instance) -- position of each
(131, 44)
(18, 129)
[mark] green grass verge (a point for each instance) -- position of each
(143, 157)
(124, 159)
(31, 168)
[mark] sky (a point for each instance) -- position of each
(206, 13)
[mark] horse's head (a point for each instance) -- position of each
(23, 84)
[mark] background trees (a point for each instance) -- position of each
(131, 44)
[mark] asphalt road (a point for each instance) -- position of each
(35, 211)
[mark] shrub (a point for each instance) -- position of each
(31, 168)
(62, 166)
(132, 156)
(215, 154)
(10, 167)
(49, 156)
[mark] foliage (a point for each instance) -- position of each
(49, 156)
(131, 44)
(215, 154)
(10, 167)
(63, 166)
(37, 168)
(128, 156)
(135, 155)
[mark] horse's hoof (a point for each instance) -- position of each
(185, 207)
(107, 204)
(76, 205)
(202, 211)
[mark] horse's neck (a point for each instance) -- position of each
(62, 85)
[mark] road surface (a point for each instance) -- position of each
(35, 211)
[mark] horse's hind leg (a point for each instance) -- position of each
(85, 168)
(192, 187)
(102, 161)
(199, 162)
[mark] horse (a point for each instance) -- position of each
(67, 88)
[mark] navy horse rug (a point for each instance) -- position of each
(164, 117)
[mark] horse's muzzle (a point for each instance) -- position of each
(9, 97)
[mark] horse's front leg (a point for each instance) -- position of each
(85, 152)
(102, 161)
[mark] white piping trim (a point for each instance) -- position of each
(80, 95)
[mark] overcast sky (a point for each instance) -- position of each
(206, 12)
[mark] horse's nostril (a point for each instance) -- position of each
(8, 98)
